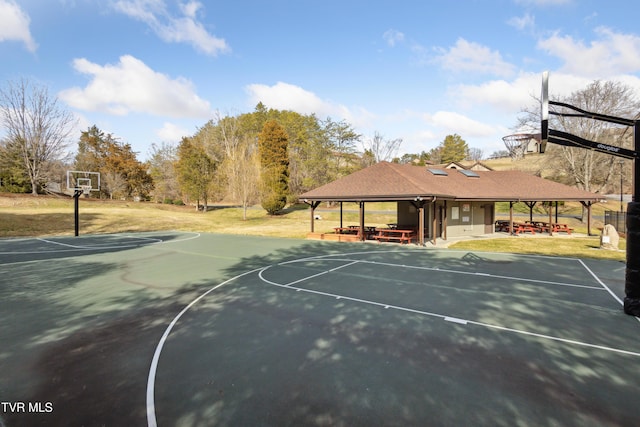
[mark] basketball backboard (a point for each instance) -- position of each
(544, 112)
(83, 181)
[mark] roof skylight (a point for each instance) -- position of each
(469, 173)
(439, 172)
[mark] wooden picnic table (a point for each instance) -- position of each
(502, 225)
(351, 229)
(518, 227)
(561, 227)
(355, 229)
(553, 227)
(394, 234)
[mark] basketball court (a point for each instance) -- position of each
(184, 329)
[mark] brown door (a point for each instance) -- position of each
(488, 219)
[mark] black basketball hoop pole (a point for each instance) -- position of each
(632, 273)
(76, 210)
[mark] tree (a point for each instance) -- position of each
(274, 162)
(13, 177)
(239, 167)
(588, 169)
(196, 171)
(244, 181)
(383, 150)
(453, 149)
(162, 160)
(122, 175)
(415, 159)
(37, 127)
(475, 154)
(342, 140)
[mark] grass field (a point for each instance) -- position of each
(24, 215)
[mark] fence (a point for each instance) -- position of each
(617, 219)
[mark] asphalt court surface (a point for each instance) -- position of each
(189, 329)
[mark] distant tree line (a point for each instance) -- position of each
(266, 156)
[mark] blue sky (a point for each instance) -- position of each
(151, 71)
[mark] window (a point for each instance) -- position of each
(469, 173)
(438, 172)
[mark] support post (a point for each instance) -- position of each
(434, 224)
(421, 224)
(511, 217)
(445, 225)
(313, 218)
(313, 206)
(632, 274)
(362, 234)
(76, 210)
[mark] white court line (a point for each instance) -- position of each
(151, 415)
(310, 277)
(455, 319)
(444, 270)
(151, 379)
(74, 248)
(604, 285)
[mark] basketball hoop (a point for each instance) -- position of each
(81, 183)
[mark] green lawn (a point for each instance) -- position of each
(24, 215)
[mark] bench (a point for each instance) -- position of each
(522, 228)
(561, 227)
(391, 234)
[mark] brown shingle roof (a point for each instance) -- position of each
(391, 181)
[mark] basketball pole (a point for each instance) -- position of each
(76, 210)
(631, 302)
(632, 273)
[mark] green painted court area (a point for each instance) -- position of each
(184, 329)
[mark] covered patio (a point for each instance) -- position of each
(441, 203)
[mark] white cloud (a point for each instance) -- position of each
(610, 55)
(131, 86)
(14, 25)
(170, 132)
(505, 96)
(177, 29)
(393, 37)
(284, 96)
(473, 57)
(526, 22)
(460, 124)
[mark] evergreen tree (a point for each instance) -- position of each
(274, 161)
(453, 149)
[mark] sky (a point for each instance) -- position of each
(153, 71)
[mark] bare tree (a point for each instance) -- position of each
(37, 124)
(383, 150)
(475, 154)
(592, 170)
(589, 169)
(244, 174)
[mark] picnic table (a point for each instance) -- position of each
(502, 225)
(394, 234)
(518, 227)
(553, 227)
(355, 229)
(351, 229)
